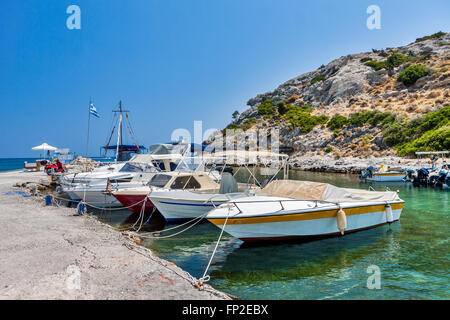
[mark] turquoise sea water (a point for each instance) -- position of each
(413, 254)
(8, 164)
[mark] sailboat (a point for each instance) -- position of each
(94, 187)
(123, 152)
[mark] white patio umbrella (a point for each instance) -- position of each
(44, 147)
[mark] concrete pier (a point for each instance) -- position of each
(49, 252)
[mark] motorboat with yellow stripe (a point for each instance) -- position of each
(383, 175)
(286, 209)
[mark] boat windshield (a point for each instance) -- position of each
(159, 180)
(185, 182)
(136, 167)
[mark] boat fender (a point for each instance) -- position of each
(389, 216)
(341, 220)
(108, 186)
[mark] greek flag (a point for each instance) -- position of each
(93, 110)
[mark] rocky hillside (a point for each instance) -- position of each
(379, 103)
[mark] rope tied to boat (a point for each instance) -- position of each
(205, 277)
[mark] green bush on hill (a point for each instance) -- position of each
(411, 74)
(395, 60)
(365, 59)
(395, 134)
(300, 117)
(266, 109)
(281, 107)
(433, 140)
(433, 36)
(320, 77)
(337, 122)
(247, 124)
(377, 65)
(429, 133)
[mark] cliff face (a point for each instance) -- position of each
(356, 83)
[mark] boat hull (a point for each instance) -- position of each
(182, 210)
(134, 202)
(388, 177)
(306, 225)
(98, 199)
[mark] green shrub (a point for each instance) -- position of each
(266, 108)
(395, 134)
(366, 138)
(247, 124)
(395, 59)
(337, 122)
(411, 74)
(433, 140)
(382, 118)
(235, 115)
(281, 107)
(359, 119)
(299, 116)
(377, 65)
(320, 77)
(433, 36)
(434, 120)
(365, 59)
(328, 149)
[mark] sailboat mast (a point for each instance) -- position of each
(119, 132)
(121, 135)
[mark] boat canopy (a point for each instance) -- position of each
(148, 158)
(308, 190)
(249, 154)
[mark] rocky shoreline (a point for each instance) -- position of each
(354, 165)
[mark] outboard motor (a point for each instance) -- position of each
(410, 174)
(228, 184)
(368, 173)
(422, 178)
(447, 180)
(441, 178)
(435, 180)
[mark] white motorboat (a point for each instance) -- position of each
(96, 187)
(177, 204)
(195, 196)
(287, 209)
(164, 182)
(97, 191)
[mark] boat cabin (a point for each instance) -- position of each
(183, 181)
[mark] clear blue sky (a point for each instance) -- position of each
(172, 62)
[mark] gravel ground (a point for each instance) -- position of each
(50, 253)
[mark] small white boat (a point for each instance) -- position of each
(95, 187)
(197, 196)
(287, 209)
(370, 174)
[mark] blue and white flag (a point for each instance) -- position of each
(93, 110)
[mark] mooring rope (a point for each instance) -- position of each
(206, 278)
